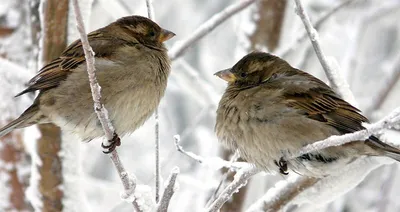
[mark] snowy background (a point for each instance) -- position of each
(363, 37)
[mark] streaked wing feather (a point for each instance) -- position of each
(57, 70)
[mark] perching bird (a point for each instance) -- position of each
(271, 109)
(132, 67)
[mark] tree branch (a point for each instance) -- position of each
(239, 181)
(215, 162)
(387, 122)
(181, 46)
(128, 182)
(169, 191)
(150, 14)
(283, 53)
(335, 79)
(282, 193)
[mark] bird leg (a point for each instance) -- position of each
(282, 164)
(114, 142)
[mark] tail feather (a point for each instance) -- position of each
(395, 156)
(386, 149)
(23, 121)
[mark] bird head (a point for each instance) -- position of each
(253, 69)
(143, 30)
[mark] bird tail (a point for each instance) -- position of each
(23, 121)
(385, 149)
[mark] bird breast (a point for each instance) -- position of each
(130, 92)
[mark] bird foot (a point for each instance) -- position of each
(114, 142)
(282, 164)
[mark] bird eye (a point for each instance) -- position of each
(243, 75)
(152, 33)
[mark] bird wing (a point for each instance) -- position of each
(317, 101)
(52, 74)
(324, 105)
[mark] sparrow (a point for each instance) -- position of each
(132, 67)
(270, 110)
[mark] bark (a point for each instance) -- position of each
(55, 16)
(270, 14)
(12, 154)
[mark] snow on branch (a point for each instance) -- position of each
(240, 179)
(129, 182)
(317, 25)
(150, 14)
(169, 191)
(213, 162)
(387, 122)
(282, 193)
(181, 46)
(337, 82)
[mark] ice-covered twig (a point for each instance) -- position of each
(150, 15)
(387, 122)
(181, 46)
(150, 9)
(336, 81)
(128, 181)
(282, 193)
(240, 180)
(101, 111)
(317, 25)
(169, 191)
(211, 162)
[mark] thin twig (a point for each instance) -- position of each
(157, 155)
(336, 80)
(181, 46)
(169, 191)
(240, 180)
(102, 114)
(387, 122)
(216, 162)
(150, 15)
(283, 53)
(150, 9)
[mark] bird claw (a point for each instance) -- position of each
(114, 142)
(282, 164)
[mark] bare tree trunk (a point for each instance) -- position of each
(269, 23)
(12, 155)
(55, 16)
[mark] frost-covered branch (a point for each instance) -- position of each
(169, 191)
(150, 9)
(150, 15)
(387, 122)
(336, 81)
(181, 46)
(240, 180)
(129, 182)
(283, 53)
(282, 193)
(214, 162)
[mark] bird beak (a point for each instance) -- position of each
(165, 35)
(226, 75)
